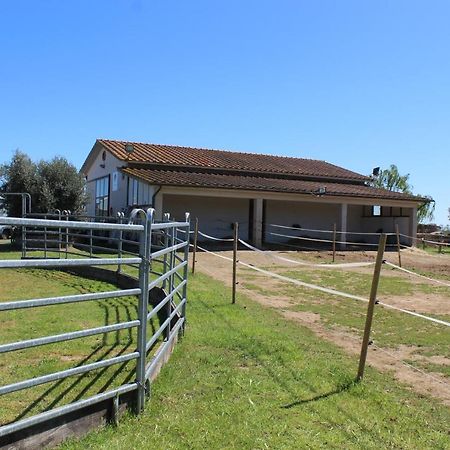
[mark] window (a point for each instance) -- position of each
(102, 196)
(133, 191)
(376, 210)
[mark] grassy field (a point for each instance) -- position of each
(243, 377)
(434, 250)
(391, 329)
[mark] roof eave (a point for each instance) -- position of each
(413, 199)
(91, 157)
(244, 172)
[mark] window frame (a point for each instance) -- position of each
(102, 195)
(133, 192)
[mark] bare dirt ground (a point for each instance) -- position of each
(391, 360)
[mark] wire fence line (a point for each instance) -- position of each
(320, 288)
(328, 241)
(410, 272)
(305, 263)
(360, 233)
(334, 292)
(420, 239)
(213, 238)
(335, 241)
(411, 366)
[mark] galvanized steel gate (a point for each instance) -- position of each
(157, 251)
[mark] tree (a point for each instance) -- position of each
(391, 180)
(54, 184)
(20, 175)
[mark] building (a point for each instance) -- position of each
(221, 187)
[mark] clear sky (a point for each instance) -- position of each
(357, 83)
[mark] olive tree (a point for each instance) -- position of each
(54, 184)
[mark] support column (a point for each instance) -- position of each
(158, 206)
(257, 221)
(413, 226)
(343, 235)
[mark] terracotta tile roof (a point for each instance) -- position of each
(175, 157)
(258, 183)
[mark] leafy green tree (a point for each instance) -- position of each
(20, 175)
(54, 184)
(391, 180)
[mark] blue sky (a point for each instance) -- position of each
(357, 83)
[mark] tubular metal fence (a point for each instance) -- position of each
(156, 253)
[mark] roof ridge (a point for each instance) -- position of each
(216, 150)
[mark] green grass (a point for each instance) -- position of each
(27, 324)
(245, 378)
(242, 377)
(434, 250)
(20, 284)
(390, 328)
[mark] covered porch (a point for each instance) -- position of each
(262, 215)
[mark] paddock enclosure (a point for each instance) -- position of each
(129, 273)
(329, 291)
(101, 345)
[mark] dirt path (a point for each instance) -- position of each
(435, 384)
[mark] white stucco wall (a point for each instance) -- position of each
(215, 215)
(321, 216)
(358, 221)
(118, 198)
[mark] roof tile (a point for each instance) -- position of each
(189, 157)
(258, 183)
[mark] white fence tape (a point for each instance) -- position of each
(412, 313)
(444, 244)
(215, 238)
(184, 232)
(326, 240)
(327, 290)
(305, 263)
(416, 274)
(328, 231)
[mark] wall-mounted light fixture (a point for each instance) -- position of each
(322, 190)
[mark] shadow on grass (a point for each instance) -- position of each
(343, 388)
(283, 383)
(117, 310)
(7, 247)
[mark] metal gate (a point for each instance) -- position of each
(157, 252)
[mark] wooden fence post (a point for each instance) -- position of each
(371, 305)
(195, 244)
(334, 242)
(398, 245)
(423, 244)
(235, 247)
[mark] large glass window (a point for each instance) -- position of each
(133, 192)
(102, 196)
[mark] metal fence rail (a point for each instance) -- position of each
(131, 246)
